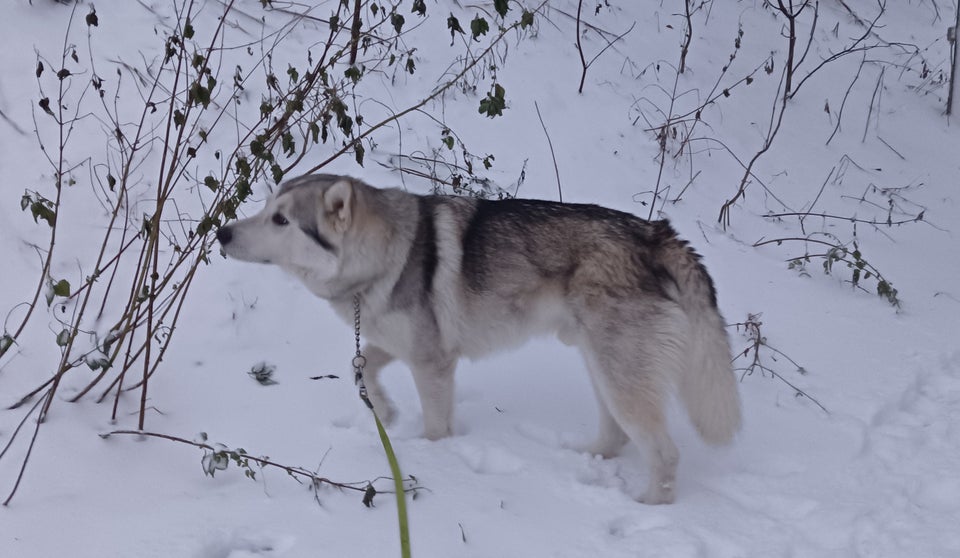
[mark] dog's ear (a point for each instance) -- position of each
(338, 204)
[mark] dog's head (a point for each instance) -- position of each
(301, 229)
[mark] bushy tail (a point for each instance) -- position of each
(708, 385)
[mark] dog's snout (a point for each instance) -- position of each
(224, 235)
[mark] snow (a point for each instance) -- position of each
(878, 475)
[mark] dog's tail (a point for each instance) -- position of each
(707, 386)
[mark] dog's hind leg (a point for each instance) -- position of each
(636, 406)
(645, 423)
(634, 369)
(610, 437)
(434, 381)
(377, 359)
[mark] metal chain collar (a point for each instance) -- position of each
(359, 361)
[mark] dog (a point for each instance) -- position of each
(444, 277)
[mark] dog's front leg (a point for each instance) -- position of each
(377, 358)
(434, 380)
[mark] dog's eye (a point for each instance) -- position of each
(279, 219)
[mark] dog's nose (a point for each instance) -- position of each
(224, 235)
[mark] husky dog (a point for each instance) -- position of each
(442, 277)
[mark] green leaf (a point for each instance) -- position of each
(294, 74)
(263, 374)
(479, 26)
(63, 337)
(206, 225)
(344, 121)
(288, 144)
(358, 152)
(368, 496)
(494, 104)
(178, 118)
(886, 290)
(97, 361)
(5, 343)
(214, 461)
(501, 6)
(188, 30)
(419, 8)
(242, 187)
(448, 141)
(111, 181)
(353, 73)
(41, 210)
(257, 149)
(62, 288)
(243, 167)
(25, 202)
(212, 183)
(397, 21)
(293, 105)
(92, 19)
(45, 105)
(453, 24)
(277, 173)
(265, 109)
(411, 65)
(526, 20)
(198, 94)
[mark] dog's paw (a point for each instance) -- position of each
(437, 433)
(659, 494)
(603, 448)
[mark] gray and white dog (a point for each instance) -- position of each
(444, 277)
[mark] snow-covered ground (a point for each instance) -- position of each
(875, 475)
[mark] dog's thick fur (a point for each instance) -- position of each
(445, 277)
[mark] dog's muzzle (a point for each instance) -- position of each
(224, 235)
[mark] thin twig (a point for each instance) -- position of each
(759, 341)
(873, 100)
(33, 440)
(847, 218)
(355, 33)
(687, 37)
(296, 472)
(556, 169)
(583, 60)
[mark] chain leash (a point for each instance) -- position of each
(359, 361)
